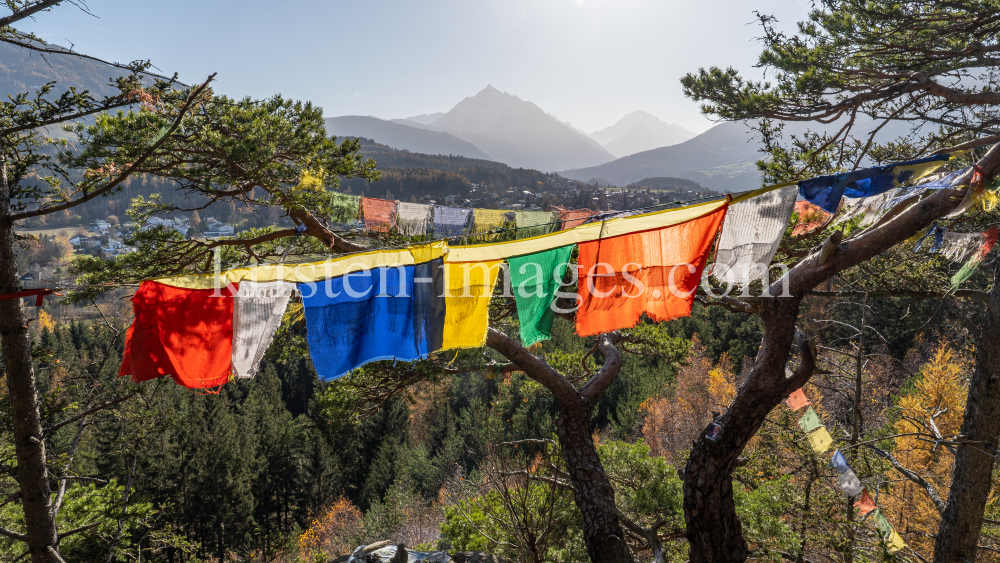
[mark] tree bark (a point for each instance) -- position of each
(713, 528)
(971, 481)
(29, 443)
(592, 491)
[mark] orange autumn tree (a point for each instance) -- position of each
(332, 533)
(932, 410)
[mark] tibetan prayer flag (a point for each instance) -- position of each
(572, 218)
(344, 208)
(987, 240)
(956, 246)
(535, 223)
(811, 218)
(895, 542)
(256, 316)
(412, 219)
(534, 279)
(750, 235)
(838, 463)
(849, 483)
(183, 333)
(451, 221)
(884, 527)
(469, 288)
(865, 504)
(389, 313)
(653, 272)
(380, 214)
(797, 400)
(820, 440)
(810, 421)
(486, 220)
(827, 191)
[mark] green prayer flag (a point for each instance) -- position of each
(883, 525)
(344, 208)
(534, 280)
(535, 223)
(810, 421)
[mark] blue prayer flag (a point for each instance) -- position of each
(827, 191)
(838, 463)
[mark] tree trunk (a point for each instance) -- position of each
(29, 444)
(591, 488)
(971, 480)
(713, 529)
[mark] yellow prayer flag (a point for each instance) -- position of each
(820, 440)
(469, 287)
(895, 542)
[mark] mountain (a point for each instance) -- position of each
(519, 133)
(401, 136)
(640, 131)
(424, 118)
(721, 158)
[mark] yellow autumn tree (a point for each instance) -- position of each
(332, 532)
(936, 399)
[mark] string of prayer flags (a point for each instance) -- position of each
(797, 400)
(569, 218)
(256, 316)
(827, 191)
(184, 333)
(535, 223)
(451, 221)
(865, 504)
(987, 240)
(534, 281)
(344, 208)
(810, 421)
(469, 289)
(412, 219)
(750, 235)
(937, 235)
(379, 214)
(653, 272)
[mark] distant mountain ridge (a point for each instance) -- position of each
(401, 136)
(640, 131)
(721, 158)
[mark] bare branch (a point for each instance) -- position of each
(86, 413)
(28, 12)
(912, 476)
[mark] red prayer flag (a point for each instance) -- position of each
(797, 400)
(184, 333)
(380, 214)
(573, 218)
(865, 504)
(653, 272)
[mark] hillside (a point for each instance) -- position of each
(22, 70)
(401, 136)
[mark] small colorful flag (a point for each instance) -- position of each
(838, 463)
(849, 483)
(883, 525)
(820, 440)
(810, 421)
(797, 400)
(895, 542)
(865, 504)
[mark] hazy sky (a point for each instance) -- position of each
(588, 62)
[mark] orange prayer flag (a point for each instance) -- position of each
(865, 504)
(380, 214)
(797, 400)
(653, 272)
(184, 333)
